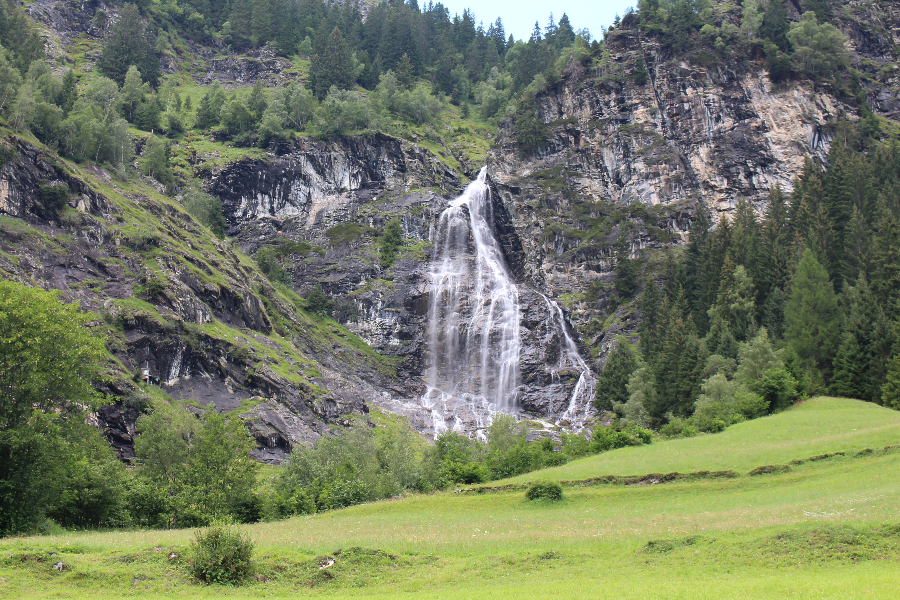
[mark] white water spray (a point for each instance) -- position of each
(581, 401)
(473, 316)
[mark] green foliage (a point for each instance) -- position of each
(55, 195)
(641, 399)
(221, 555)
(51, 463)
(128, 44)
(610, 438)
(206, 208)
(332, 66)
(267, 260)
(34, 374)
(318, 302)
(210, 105)
(812, 315)
(890, 394)
(343, 111)
(351, 467)
(155, 160)
(200, 470)
(613, 380)
(529, 130)
(345, 233)
(544, 490)
(639, 76)
(819, 48)
(627, 268)
(391, 240)
(92, 483)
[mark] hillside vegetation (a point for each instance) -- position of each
(829, 531)
(812, 428)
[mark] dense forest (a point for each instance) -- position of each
(757, 313)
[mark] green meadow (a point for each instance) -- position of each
(825, 528)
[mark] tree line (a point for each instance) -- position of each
(755, 314)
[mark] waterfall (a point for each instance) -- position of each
(473, 340)
(581, 400)
(473, 336)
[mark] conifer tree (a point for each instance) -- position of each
(565, 35)
(333, 67)
(612, 384)
(886, 257)
(735, 304)
(627, 269)
(261, 21)
(127, 44)
(240, 22)
(498, 33)
(774, 25)
(774, 249)
(812, 315)
(890, 393)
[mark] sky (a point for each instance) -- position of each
(519, 15)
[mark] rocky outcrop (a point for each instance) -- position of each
(170, 300)
(263, 66)
(640, 160)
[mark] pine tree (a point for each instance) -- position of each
(735, 304)
(812, 219)
(886, 257)
(627, 269)
(333, 67)
(262, 21)
(240, 22)
(565, 35)
(774, 250)
(68, 93)
(651, 311)
(498, 33)
(775, 25)
(890, 393)
(612, 384)
(773, 313)
(127, 44)
(256, 102)
(812, 315)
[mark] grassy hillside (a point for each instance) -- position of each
(816, 427)
(826, 528)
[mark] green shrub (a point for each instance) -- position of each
(55, 195)
(608, 438)
(318, 302)
(391, 240)
(267, 260)
(221, 555)
(544, 490)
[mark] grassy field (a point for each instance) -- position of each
(821, 426)
(823, 529)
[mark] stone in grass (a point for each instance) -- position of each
(544, 490)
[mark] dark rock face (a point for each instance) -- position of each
(319, 184)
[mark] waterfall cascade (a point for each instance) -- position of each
(473, 335)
